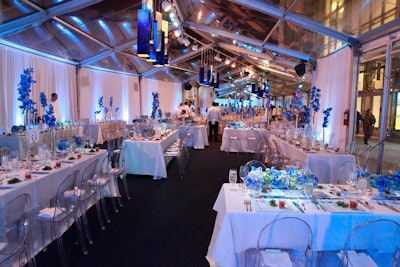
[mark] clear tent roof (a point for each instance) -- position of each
(266, 39)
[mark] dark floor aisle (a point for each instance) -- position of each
(166, 223)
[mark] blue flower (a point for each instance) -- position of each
(49, 118)
(306, 115)
(326, 117)
(105, 109)
(111, 101)
(101, 102)
(43, 99)
(315, 97)
(156, 105)
(298, 102)
(116, 109)
(24, 90)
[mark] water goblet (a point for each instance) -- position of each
(243, 172)
(232, 176)
(91, 143)
(351, 179)
(308, 188)
(362, 184)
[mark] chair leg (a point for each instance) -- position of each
(125, 182)
(99, 216)
(80, 230)
(86, 228)
(104, 206)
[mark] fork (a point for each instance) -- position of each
(246, 204)
(249, 203)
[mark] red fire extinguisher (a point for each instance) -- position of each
(346, 117)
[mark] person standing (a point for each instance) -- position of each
(213, 118)
(358, 119)
(368, 125)
(56, 106)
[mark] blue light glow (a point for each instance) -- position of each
(127, 26)
(249, 47)
(80, 23)
(107, 30)
(21, 7)
(194, 64)
(73, 37)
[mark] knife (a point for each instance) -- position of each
(365, 204)
(298, 206)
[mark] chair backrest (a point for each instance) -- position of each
(87, 175)
(64, 196)
(347, 168)
(15, 225)
(296, 164)
(382, 237)
(289, 233)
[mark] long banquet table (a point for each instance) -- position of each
(236, 229)
(325, 164)
(42, 187)
(98, 130)
(247, 139)
(18, 141)
(199, 138)
(147, 156)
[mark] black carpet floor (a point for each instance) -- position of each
(166, 223)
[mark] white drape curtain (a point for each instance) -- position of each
(333, 77)
(170, 95)
(131, 96)
(51, 76)
(124, 89)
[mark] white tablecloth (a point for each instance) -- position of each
(18, 142)
(236, 229)
(147, 157)
(324, 164)
(97, 130)
(247, 139)
(199, 139)
(43, 187)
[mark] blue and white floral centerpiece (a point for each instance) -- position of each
(50, 121)
(327, 113)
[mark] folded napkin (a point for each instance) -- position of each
(276, 257)
(49, 213)
(359, 259)
(70, 193)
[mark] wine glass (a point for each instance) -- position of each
(352, 178)
(243, 172)
(14, 160)
(308, 188)
(232, 176)
(87, 140)
(362, 184)
(91, 143)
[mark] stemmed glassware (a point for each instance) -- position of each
(352, 179)
(308, 188)
(91, 143)
(243, 172)
(232, 177)
(362, 184)
(14, 160)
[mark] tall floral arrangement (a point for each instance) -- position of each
(101, 105)
(24, 90)
(315, 98)
(48, 117)
(155, 105)
(327, 113)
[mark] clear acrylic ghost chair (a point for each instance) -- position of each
(62, 211)
(296, 164)
(347, 173)
(283, 242)
(373, 243)
(15, 239)
(90, 196)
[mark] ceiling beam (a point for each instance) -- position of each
(275, 11)
(43, 15)
(251, 41)
(384, 30)
(99, 56)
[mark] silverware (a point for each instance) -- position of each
(249, 204)
(245, 203)
(383, 203)
(298, 206)
(365, 204)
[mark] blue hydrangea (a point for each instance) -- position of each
(326, 117)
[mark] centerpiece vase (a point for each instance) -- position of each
(323, 137)
(53, 142)
(28, 163)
